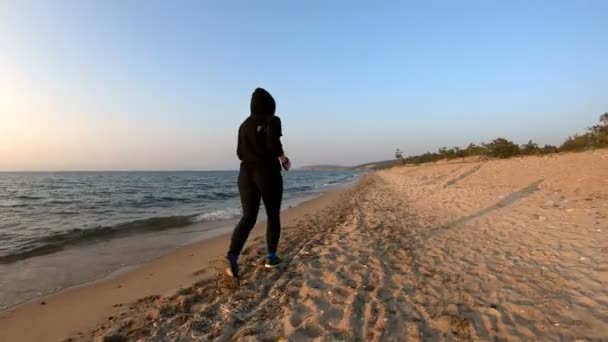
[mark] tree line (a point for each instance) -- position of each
(595, 137)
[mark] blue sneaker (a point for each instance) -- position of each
(272, 261)
(232, 267)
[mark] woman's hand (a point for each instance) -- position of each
(285, 163)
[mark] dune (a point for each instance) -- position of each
(478, 250)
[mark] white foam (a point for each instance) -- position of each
(217, 215)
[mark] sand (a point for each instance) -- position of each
(480, 250)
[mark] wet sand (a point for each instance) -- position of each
(480, 250)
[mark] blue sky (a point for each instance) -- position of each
(164, 85)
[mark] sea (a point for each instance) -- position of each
(59, 229)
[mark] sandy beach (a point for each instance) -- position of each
(466, 250)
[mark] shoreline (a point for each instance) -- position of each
(80, 264)
(125, 268)
(85, 304)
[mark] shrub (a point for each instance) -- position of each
(549, 149)
(502, 148)
(530, 149)
(577, 143)
(596, 136)
(475, 150)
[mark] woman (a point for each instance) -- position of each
(261, 154)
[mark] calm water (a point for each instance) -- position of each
(41, 213)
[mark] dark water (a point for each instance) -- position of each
(42, 213)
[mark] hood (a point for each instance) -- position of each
(262, 103)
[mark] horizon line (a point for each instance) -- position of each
(115, 170)
(140, 170)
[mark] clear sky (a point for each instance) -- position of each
(164, 85)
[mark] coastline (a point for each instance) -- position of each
(73, 256)
(477, 250)
(80, 307)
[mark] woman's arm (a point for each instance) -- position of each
(273, 138)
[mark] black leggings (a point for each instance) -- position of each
(258, 183)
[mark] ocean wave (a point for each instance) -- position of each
(299, 188)
(59, 201)
(66, 212)
(217, 215)
(175, 199)
(27, 197)
(58, 241)
(218, 195)
(14, 205)
(213, 195)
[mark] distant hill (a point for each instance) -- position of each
(377, 165)
(325, 168)
(367, 166)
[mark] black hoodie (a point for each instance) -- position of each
(260, 134)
